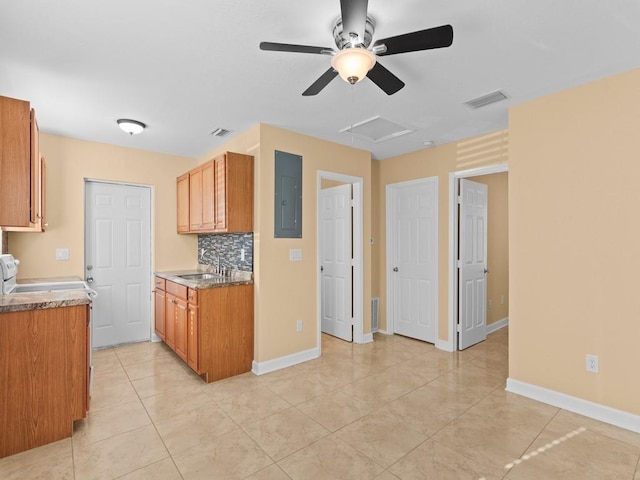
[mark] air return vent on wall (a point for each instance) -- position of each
(376, 130)
(484, 100)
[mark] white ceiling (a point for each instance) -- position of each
(187, 67)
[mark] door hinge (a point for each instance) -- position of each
(353, 203)
(353, 262)
(458, 263)
(460, 199)
(458, 328)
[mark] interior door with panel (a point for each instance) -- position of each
(118, 261)
(336, 262)
(472, 285)
(413, 223)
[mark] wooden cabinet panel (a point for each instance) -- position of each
(195, 199)
(192, 337)
(207, 198)
(182, 184)
(170, 320)
(159, 314)
(15, 163)
(45, 375)
(221, 195)
(181, 328)
(220, 164)
(210, 329)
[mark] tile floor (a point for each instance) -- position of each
(392, 409)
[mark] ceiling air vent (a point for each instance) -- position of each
(376, 130)
(220, 132)
(488, 99)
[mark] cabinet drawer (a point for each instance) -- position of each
(179, 291)
(159, 283)
(192, 296)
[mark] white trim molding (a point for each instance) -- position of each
(452, 343)
(367, 338)
(284, 362)
(495, 326)
(589, 409)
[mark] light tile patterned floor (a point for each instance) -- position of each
(393, 409)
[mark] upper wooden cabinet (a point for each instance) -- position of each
(219, 198)
(183, 203)
(22, 180)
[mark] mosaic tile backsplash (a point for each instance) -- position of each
(229, 247)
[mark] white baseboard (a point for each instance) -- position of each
(445, 345)
(497, 325)
(283, 362)
(589, 409)
(384, 332)
(367, 338)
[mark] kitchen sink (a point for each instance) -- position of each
(200, 276)
(49, 287)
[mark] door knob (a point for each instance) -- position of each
(89, 280)
(486, 270)
(395, 269)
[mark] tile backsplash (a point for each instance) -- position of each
(229, 246)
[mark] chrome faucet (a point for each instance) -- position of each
(217, 255)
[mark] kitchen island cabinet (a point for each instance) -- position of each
(44, 382)
(212, 327)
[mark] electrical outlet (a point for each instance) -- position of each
(502, 299)
(592, 363)
(490, 304)
(298, 325)
(242, 254)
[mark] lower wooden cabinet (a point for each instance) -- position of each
(44, 375)
(210, 329)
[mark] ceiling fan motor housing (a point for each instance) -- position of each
(344, 39)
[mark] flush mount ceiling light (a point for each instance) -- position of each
(353, 64)
(132, 127)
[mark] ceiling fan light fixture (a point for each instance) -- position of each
(353, 64)
(132, 127)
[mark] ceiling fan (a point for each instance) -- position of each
(353, 60)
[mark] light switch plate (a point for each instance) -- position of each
(62, 254)
(295, 255)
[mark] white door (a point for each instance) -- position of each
(117, 261)
(413, 220)
(336, 262)
(472, 285)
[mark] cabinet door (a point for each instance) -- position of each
(192, 339)
(208, 192)
(170, 321)
(35, 168)
(221, 192)
(160, 299)
(183, 203)
(181, 328)
(195, 200)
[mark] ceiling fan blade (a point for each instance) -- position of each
(287, 47)
(386, 80)
(317, 86)
(354, 17)
(437, 37)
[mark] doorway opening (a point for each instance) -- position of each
(454, 248)
(356, 283)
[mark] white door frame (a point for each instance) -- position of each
(152, 335)
(358, 256)
(390, 196)
(451, 344)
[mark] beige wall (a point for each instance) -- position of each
(436, 161)
(69, 162)
(573, 230)
(286, 291)
(497, 246)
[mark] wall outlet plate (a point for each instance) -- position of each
(593, 364)
(298, 325)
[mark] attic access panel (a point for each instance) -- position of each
(288, 196)
(376, 129)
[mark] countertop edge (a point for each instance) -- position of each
(174, 276)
